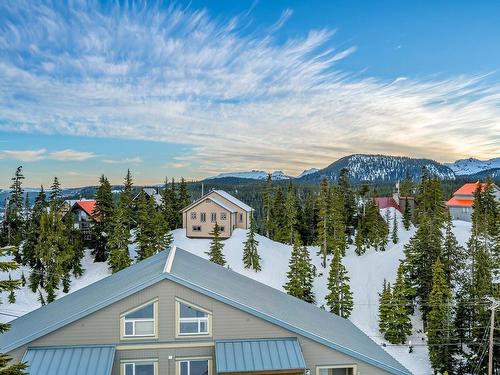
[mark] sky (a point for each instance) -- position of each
(202, 87)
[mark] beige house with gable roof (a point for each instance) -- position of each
(218, 207)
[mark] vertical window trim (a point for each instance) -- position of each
(347, 366)
(178, 361)
(124, 362)
(124, 337)
(178, 333)
(203, 217)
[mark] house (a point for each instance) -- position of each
(151, 193)
(218, 207)
(83, 215)
(177, 313)
(460, 205)
(386, 202)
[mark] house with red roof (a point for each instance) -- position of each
(460, 205)
(387, 202)
(83, 215)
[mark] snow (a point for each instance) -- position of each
(253, 175)
(307, 171)
(469, 166)
(366, 272)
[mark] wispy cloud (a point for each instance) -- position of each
(240, 99)
(134, 160)
(35, 155)
(66, 155)
(24, 155)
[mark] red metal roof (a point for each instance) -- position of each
(469, 189)
(460, 202)
(386, 202)
(87, 206)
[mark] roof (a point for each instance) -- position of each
(70, 360)
(213, 281)
(469, 189)
(86, 205)
(223, 194)
(386, 202)
(454, 202)
(255, 355)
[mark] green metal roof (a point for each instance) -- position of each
(70, 360)
(258, 355)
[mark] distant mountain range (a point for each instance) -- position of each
(383, 168)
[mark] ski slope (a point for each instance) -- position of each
(366, 272)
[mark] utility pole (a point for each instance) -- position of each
(493, 307)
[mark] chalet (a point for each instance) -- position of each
(176, 313)
(386, 202)
(150, 193)
(83, 215)
(460, 205)
(219, 207)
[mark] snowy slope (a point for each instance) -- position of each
(367, 273)
(307, 171)
(465, 167)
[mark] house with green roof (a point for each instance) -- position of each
(178, 314)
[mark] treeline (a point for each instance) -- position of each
(448, 283)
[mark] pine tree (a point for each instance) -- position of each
(161, 236)
(126, 199)
(267, 206)
(398, 325)
(152, 234)
(338, 221)
(278, 218)
(9, 286)
(384, 307)
(33, 229)
(453, 255)
(348, 198)
(56, 195)
(168, 205)
(215, 254)
(407, 215)
(75, 241)
(251, 257)
(290, 213)
(439, 324)
(324, 215)
(102, 218)
(13, 224)
(406, 187)
(183, 201)
(339, 298)
(394, 234)
(300, 275)
(118, 241)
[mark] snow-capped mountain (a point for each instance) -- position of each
(381, 168)
(253, 175)
(307, 171)
(465, 167)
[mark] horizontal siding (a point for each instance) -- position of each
(102, 327)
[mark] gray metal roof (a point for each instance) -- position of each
(233, 200)
(82, 302)
(257, 355)
(216, 282)
(70, 360)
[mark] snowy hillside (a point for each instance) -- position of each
(465, 167)
(252, 175)
(307, 171)
(367, 273)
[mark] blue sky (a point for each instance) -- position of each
(193, 89)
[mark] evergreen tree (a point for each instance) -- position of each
(33, 229)
(278, 218)
(324, 215)
(339, 298)
(359, 242)
(118, 241)
(183, 201)
(453, 255)
(126, 199)
(398, 324)
(384, 307)
(161, 236)
(394, 234)
(348, 197)
(251, 257)
(56, 195)
(76, 247)
(168, 205)
(8, 286)
(338, 221)
(102, 219)
(215, 254)
(406, 187)
(267, 206)
(290, 213)
(439, 324)
(407, 215)
(13, 224)
(300, 275)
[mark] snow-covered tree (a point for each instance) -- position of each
(300, 275)
(251, 257)
(215, 253)
(339, 298)
(394, 233)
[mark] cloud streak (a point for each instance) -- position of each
(42, 154)
(241, 99)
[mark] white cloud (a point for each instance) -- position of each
(134, 160)
(71, 155)
(241, 100)
(24, 155)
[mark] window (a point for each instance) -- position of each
(140, 367)
(241, 218)
(213, 217)
(221, 228)
(203, 217)
(140, 322)
(336, 370)
(196, 228)
(194, 367)
(192, 320)
(193, 215)
(223, 216)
